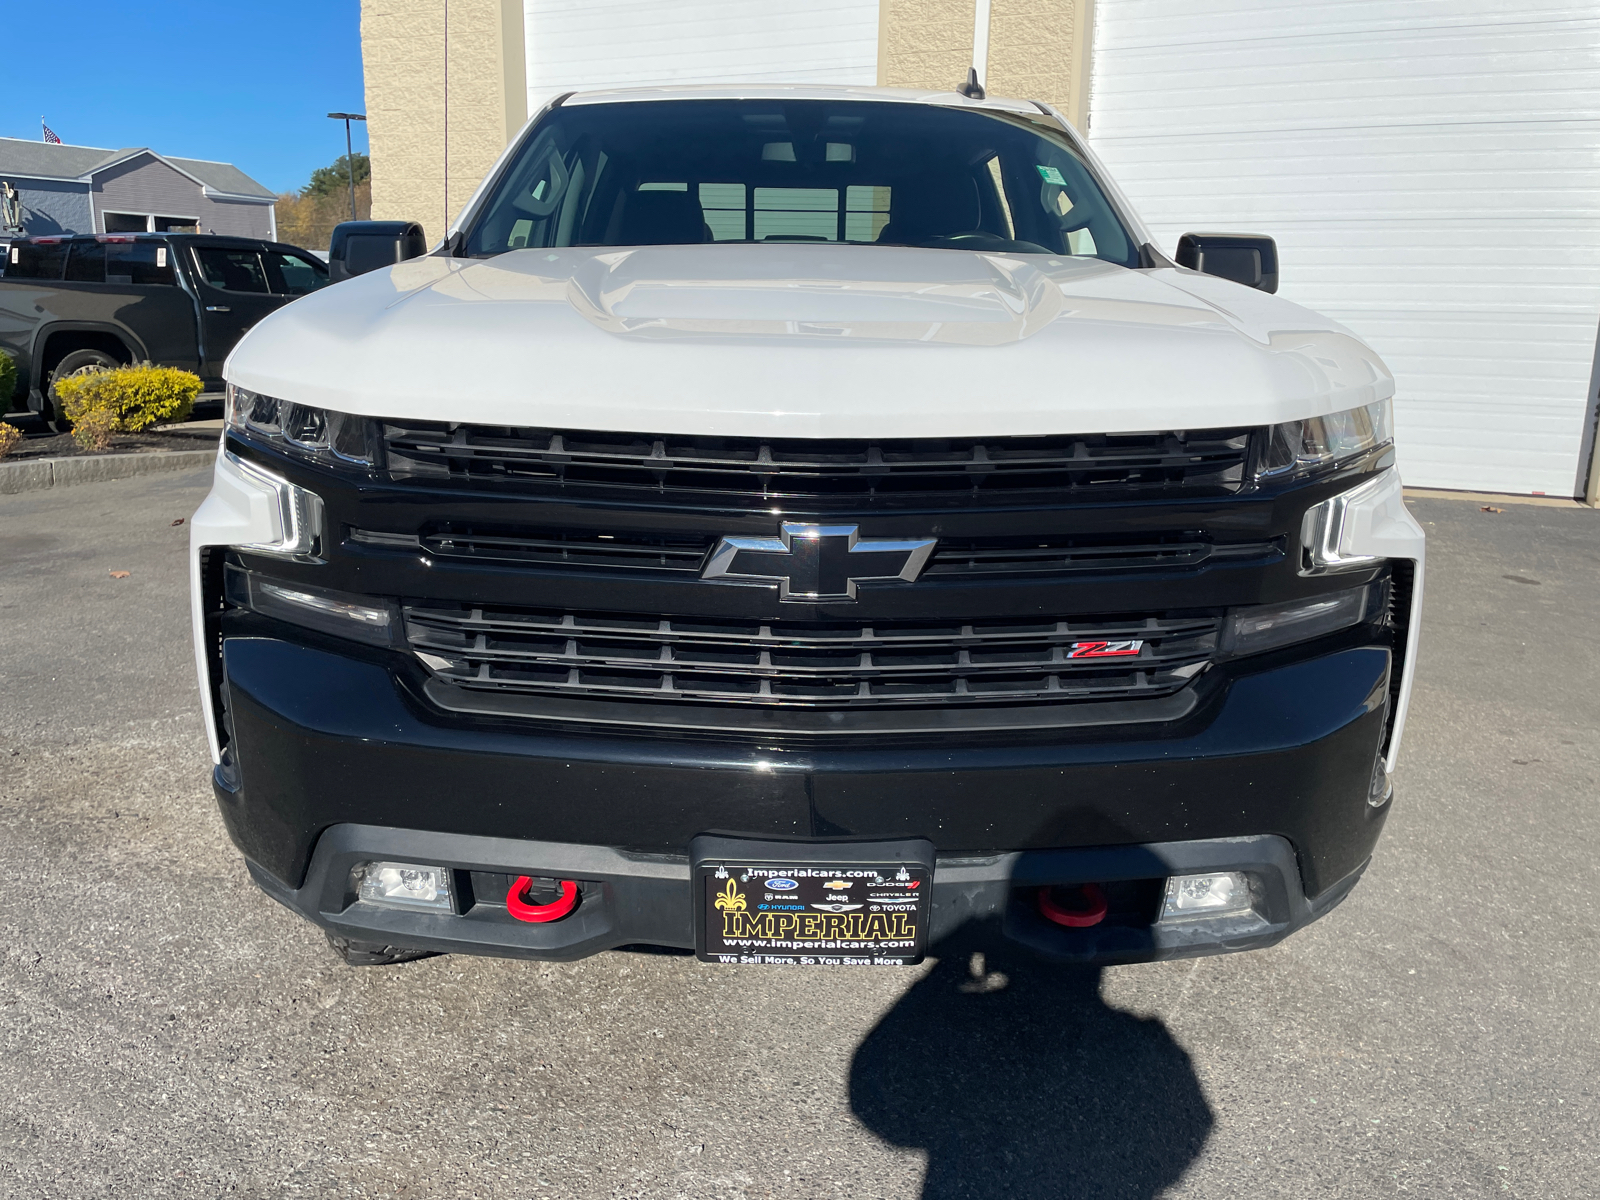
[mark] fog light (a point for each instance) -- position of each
(1224, 894)
(405, 885)
(363, 618)
(1262, 627)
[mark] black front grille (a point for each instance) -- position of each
(954, 558)
(631, 551)
(809, 663)
(1027, 556)
(991, 470)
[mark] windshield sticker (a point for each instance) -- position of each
(1051, 175)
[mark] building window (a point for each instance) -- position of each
(117, 222)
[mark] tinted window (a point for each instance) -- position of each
(231, 270)
(292, 275)
(86, 263)
(138, 262)
(36, 260)
(673, 172)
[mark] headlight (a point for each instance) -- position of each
(1301, 447)
(318, 434)
(292, 513)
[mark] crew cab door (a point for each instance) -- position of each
(140, 291)
(231, 283)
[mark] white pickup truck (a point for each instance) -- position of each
(792, 523)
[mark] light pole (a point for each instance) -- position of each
(349, 155)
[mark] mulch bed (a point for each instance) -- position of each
(39, 442)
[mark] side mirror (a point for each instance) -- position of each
(357, 247)
(1247, 258)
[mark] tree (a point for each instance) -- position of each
(336, 179)
(307, 217)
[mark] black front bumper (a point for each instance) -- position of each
(339, 759)
(641, 899)
(335, 752)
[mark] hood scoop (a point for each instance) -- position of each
(845, 292)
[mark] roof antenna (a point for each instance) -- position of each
(972, 89)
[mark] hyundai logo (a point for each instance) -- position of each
(817, 562)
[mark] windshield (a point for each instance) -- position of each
(691, 171)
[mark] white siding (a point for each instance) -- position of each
(1431, 171)
(580, 44)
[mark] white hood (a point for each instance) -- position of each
(806, 341)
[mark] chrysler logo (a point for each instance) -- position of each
(816, 562)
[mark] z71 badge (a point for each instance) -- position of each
(1128, 649)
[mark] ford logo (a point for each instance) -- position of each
(782, 885)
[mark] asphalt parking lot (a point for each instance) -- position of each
(168, 1031)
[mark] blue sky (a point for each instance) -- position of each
(237, 80)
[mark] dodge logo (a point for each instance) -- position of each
(816, 562)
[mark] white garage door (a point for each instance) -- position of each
(575, 44)
(1431, 171)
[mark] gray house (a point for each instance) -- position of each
(80, 189)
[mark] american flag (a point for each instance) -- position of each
(49, 134)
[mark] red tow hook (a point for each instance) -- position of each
(519, 907)
(1091, 912)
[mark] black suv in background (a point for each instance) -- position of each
(78, 302)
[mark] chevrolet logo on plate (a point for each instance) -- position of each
(817, 562)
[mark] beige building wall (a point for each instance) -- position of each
(1034, 53)
(925, 43)
(447, 90)
(1038, 49)
(445, 83)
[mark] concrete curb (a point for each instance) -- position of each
(94, 468)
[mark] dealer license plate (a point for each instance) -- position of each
(859, 914)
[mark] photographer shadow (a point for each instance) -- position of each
(1020, 1082)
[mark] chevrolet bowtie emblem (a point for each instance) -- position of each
(816, 562)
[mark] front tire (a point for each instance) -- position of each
(373, 954)
(76, 363)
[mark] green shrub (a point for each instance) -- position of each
(136, 397)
